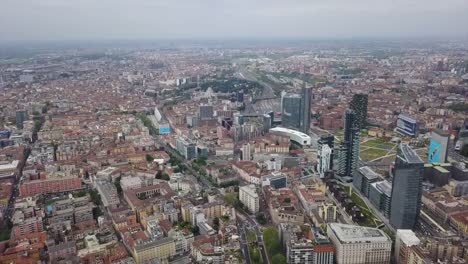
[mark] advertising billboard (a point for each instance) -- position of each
(435, 150)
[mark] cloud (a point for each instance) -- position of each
(152, 19)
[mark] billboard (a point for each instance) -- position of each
(435, 150)
(438, 147)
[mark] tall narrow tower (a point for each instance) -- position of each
(306, 93)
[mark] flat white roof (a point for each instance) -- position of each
(290, 131)
(408, 237)
(9, 166)
(358, 234)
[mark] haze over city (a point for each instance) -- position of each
(227, 19)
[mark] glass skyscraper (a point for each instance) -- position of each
(350, 145)
(295, 112)
(406, 188)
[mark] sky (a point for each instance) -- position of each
(227, 19)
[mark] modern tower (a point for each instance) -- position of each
(359, 106)
(350, 145)
(295, 110)
(291, 111)
(306, 97)
(325, 154)
(406, 188)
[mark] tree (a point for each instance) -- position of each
(149, 158)
(95, 196)
(464, 150)
(278, 259)
(165, 177)
(261, 218)
(216, 223)
(272, 244)
(118, 186)
(196, 231)
(255, 255)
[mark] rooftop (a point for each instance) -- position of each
(358, 234)
(409, 154)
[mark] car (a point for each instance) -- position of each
(458, 146)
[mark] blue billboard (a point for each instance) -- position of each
(435, 150)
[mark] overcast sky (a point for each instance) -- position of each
(199, 19)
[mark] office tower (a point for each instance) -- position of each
(240, 96)
(21, 116)
(295, 110)
(359, 106)
(359, 244)
(246, 152)
(186, 148)
(438, 148)
(406, 188)
(404, 241)
(291, 112)
(206, 112)
(350, 145)
(306, 94)
(406, 126)
(325, 154)
(267, 122)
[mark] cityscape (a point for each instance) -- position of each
(302, 151)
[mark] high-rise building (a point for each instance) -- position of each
(406, 188)
(247, 152)
(359, 106)
(291, 112)
(350, 145)
(306, 97)
(325, 154)
(206, 112)
(249, 197)
(295, 110)
(359, 244)
(21, 116)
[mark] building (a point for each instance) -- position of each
(302, 246)
(205, 112)
(295, 110)
(305, 107)
(406, 126)
(405, 239)
(359, 244)
(363, 178)
(52, 185)
(380, 196)
(325, 154)
(291, 111)
(160, 249)
(246, 152)
(249, 197)
(21, 116)
(350, 145)
(359, 106)
(187, 149)
(295, 136)
(277, 180)
(438, 148)
(406, 188)
(108, 192)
